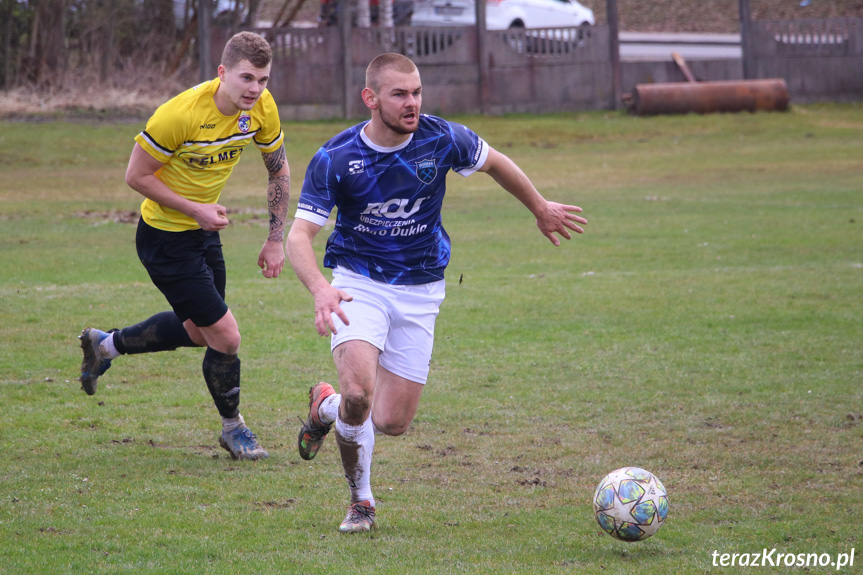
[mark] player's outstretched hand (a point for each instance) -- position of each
(327, 301)
(272, 259)
(560, 219)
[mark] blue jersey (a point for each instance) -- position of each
(388, 224)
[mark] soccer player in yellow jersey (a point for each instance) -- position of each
(180, 164)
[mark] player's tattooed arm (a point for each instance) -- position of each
(278, 192)
(278, 195)
(275, 161)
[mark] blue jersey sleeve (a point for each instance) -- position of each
(469, 150)
(318, 197)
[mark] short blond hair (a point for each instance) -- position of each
(247, 46)
(389, 61)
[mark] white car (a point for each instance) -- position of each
(503, 14)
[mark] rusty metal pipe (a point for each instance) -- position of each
(707, 97)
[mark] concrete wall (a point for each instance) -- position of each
(541, 70)
(820, 60)
(538, 71)
(548, 70)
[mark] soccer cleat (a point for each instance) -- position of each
(242, 444)
(314, 431)
(361, 517)
(94, 364)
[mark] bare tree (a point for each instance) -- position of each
(108, 27)
(7, 16)
(47, 58)
(252, 14)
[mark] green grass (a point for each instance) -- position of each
(706, 327)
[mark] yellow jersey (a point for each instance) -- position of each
(199, 147)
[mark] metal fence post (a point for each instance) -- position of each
(345, 27)
(482, 57)
(745, 30)
(614, 48)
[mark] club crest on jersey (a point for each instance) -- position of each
(244, 123)
(426, 171)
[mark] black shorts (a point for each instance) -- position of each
(188, 268)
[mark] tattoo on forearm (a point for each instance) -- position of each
(278, 196)
(278, 193)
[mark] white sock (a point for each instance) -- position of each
(356, 445)
(329, 409)
(229, 424)
(106, 346)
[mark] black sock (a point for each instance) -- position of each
(162, 332)
(222, 374)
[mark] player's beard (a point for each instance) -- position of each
(395, 126)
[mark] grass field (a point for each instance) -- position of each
(708, 327)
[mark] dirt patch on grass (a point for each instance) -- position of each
(248, 216)
(116, 216)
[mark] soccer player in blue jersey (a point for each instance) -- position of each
(388, 252)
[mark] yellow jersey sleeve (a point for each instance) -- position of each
(199, 147)
(270, 138)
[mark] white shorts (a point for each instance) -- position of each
(397, 319)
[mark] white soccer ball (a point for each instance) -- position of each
(630, 504)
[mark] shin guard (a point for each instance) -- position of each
(222, 374)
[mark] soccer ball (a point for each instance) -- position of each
(630, 504)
